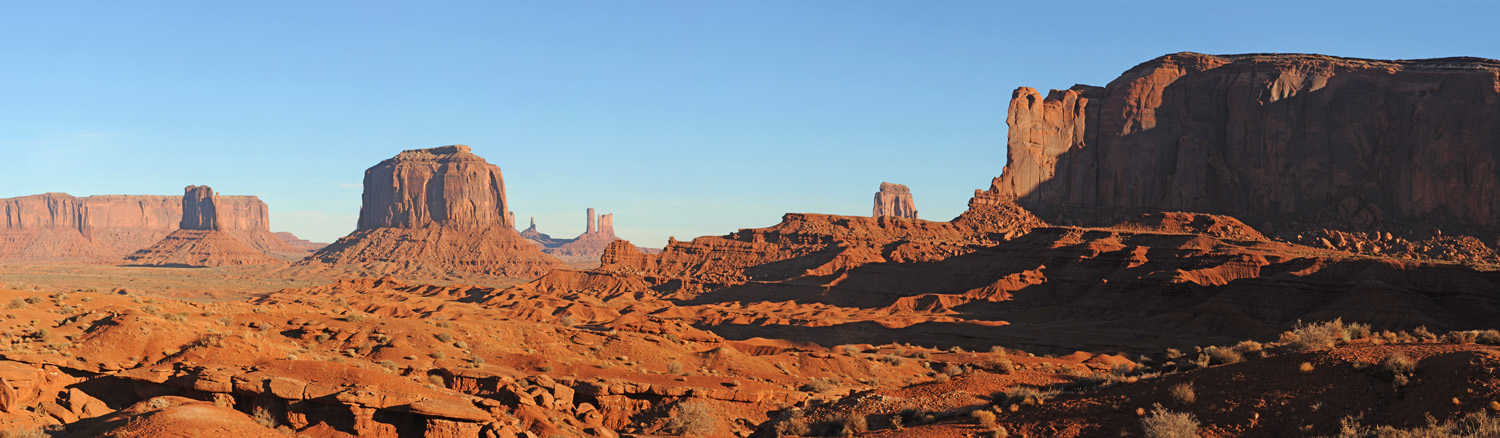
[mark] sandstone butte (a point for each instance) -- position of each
(583, 250)
(1276, 140)
(433, 211)
(216, 233)
(894, 200)
(57, 226)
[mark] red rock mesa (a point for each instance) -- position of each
(1269, 138)
(436, 210)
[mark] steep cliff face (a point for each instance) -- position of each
(198, 211)
(446, 186)
(1276, 138)
(439, 210)
(203, 239)
(58, 226)
(894, 200)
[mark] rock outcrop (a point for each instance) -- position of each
(436, 211)
(58, 226)
(894, 200)
(209, 235)
(1269, 138)
(446, 186)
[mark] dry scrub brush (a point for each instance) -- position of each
(1475, 425)
(1167, 424)
(694, 418)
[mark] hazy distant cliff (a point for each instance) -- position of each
(61, 226)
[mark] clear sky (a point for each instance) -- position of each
(684, 118)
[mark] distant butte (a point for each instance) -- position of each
(213, 234)
(434, 212)
(894, 200)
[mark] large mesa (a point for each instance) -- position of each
(433, 212)
(60, 227)
(1269, 138)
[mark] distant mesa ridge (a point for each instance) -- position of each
(59, 227)
(205, 238)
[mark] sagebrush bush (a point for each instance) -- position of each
(1183, 393)
(849, 424)
(1424, 335)
(985, 418)
(818, 385)
(1021, 395)
(1167, 424)
(694, 418)
(795, 425)
(1396, 365)
(1317, 336)
(1250, 349)
(1220, 356)
(1475, 425)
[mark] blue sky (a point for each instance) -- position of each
(684, 118)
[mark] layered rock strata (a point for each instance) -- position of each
(894, 200)
(436, 210)
(58, 226)
(1269, 138)
(211, 235)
